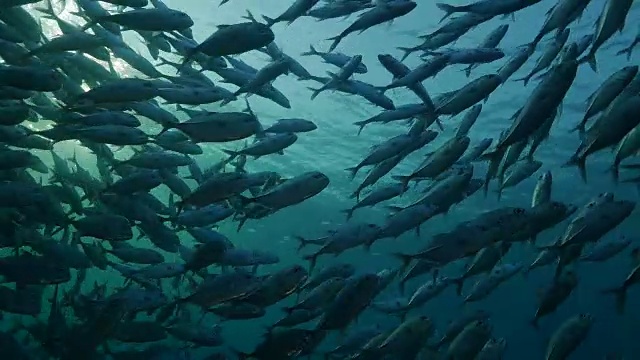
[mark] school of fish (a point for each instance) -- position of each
(146, 211)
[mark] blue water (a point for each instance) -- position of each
(335, 147)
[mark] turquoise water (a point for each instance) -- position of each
(335, 146)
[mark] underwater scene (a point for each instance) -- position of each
(319, 179)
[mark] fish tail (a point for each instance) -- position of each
(620, 294)
(580, 126)
(383, 89)
(581, 163)
(449, 9)
(90, 24)
(467, 70)
(302, 242)
(459, 284)
(165, 127)
(403, 179)
(402, 286)
(406, 51)
(353, 171)
(164, 61)
(179, 207)
(405, 258)
(355, 194)
(535, 41)
(348, 212)
(229, 99)
(403, 314)
(312, 51)
(534, 323)
(187, 59)
(316, 92)
(336, 40)
(361, 125)
(313, 258)
(532, 151)
(269, 20)
(591, 59)
(628, 51)
(615, 171)
(47, 10)
(165, 218)
(241, 223)
(525, 80)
